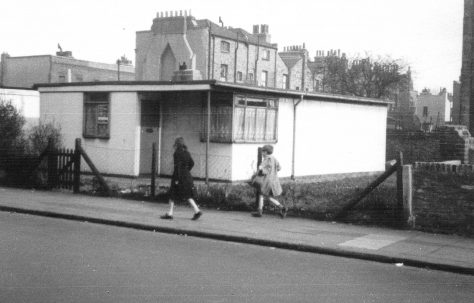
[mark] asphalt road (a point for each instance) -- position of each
(55, 260)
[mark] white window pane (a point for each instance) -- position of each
(250, 114)
(260, 125)
(239, 123)
(271, 123)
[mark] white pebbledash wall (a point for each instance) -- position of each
(117, 155)
(331, 138)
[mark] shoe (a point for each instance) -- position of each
(283, 212)
(166, 217)
(257, 214)
(197, 215)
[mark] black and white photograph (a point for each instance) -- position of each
(237, 151)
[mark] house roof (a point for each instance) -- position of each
(290, 61)
(202, 85)
(234, 33)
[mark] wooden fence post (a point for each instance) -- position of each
(77, 166)
(95, 171)
(52, 165)
(408, 217)
(399, 207)
(153, 170)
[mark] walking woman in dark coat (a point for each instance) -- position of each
(182, 180)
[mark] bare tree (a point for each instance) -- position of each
(363, 76)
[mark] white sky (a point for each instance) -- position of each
(427, 34)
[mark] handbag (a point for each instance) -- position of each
(257, 180)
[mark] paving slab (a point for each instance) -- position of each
(413, 248)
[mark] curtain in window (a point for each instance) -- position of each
(90, 119)
(239, 124)
(270, 129)
(250, 114)
(260, 124)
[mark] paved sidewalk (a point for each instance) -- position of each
(412, 248)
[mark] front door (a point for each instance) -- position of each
(150, 133)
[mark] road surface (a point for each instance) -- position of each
(55, 260)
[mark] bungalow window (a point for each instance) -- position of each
(255, 119)
(225, 47)
(250, 119)
(425, 111)
(96, 115)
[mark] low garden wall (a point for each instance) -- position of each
(443, 197)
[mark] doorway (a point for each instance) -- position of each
(150, 133)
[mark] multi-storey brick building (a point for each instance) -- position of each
(466, 107)
(209, 51)
(227, 54)
(25, 71)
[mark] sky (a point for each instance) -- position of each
(425, 34)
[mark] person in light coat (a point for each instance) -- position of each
(270, 187)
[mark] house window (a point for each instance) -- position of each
(264, 78)
(250, 77)
(285, 82)
(224, 69)
(425, 111)
(266, 54)
(79, 78)
(225, 47)
(239, 76)
(255, 119)
(249, 119)
(96, 115)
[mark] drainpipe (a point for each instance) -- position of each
(256, 61)
(208, 134)
(303, 73)
(235, 58)
(294, 137)
(275, 76)
(209, 52)
(247, 70)
(213, 54)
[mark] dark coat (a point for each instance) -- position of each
(182, 185)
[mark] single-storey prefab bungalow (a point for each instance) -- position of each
(222, 123)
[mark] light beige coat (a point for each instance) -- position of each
(271, 185)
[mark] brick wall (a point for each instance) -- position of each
(443, 197)
(416, 147)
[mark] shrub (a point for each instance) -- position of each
(11, 129)
(40, 135)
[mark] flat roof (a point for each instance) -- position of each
(200, 85)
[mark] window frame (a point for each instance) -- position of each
(226, 72)
(223, 104)
(268, 107)
(225, 46)
(239, 76)
(264, 83)
(87, 101)
(266, 55)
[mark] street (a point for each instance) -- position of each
(55, 260)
